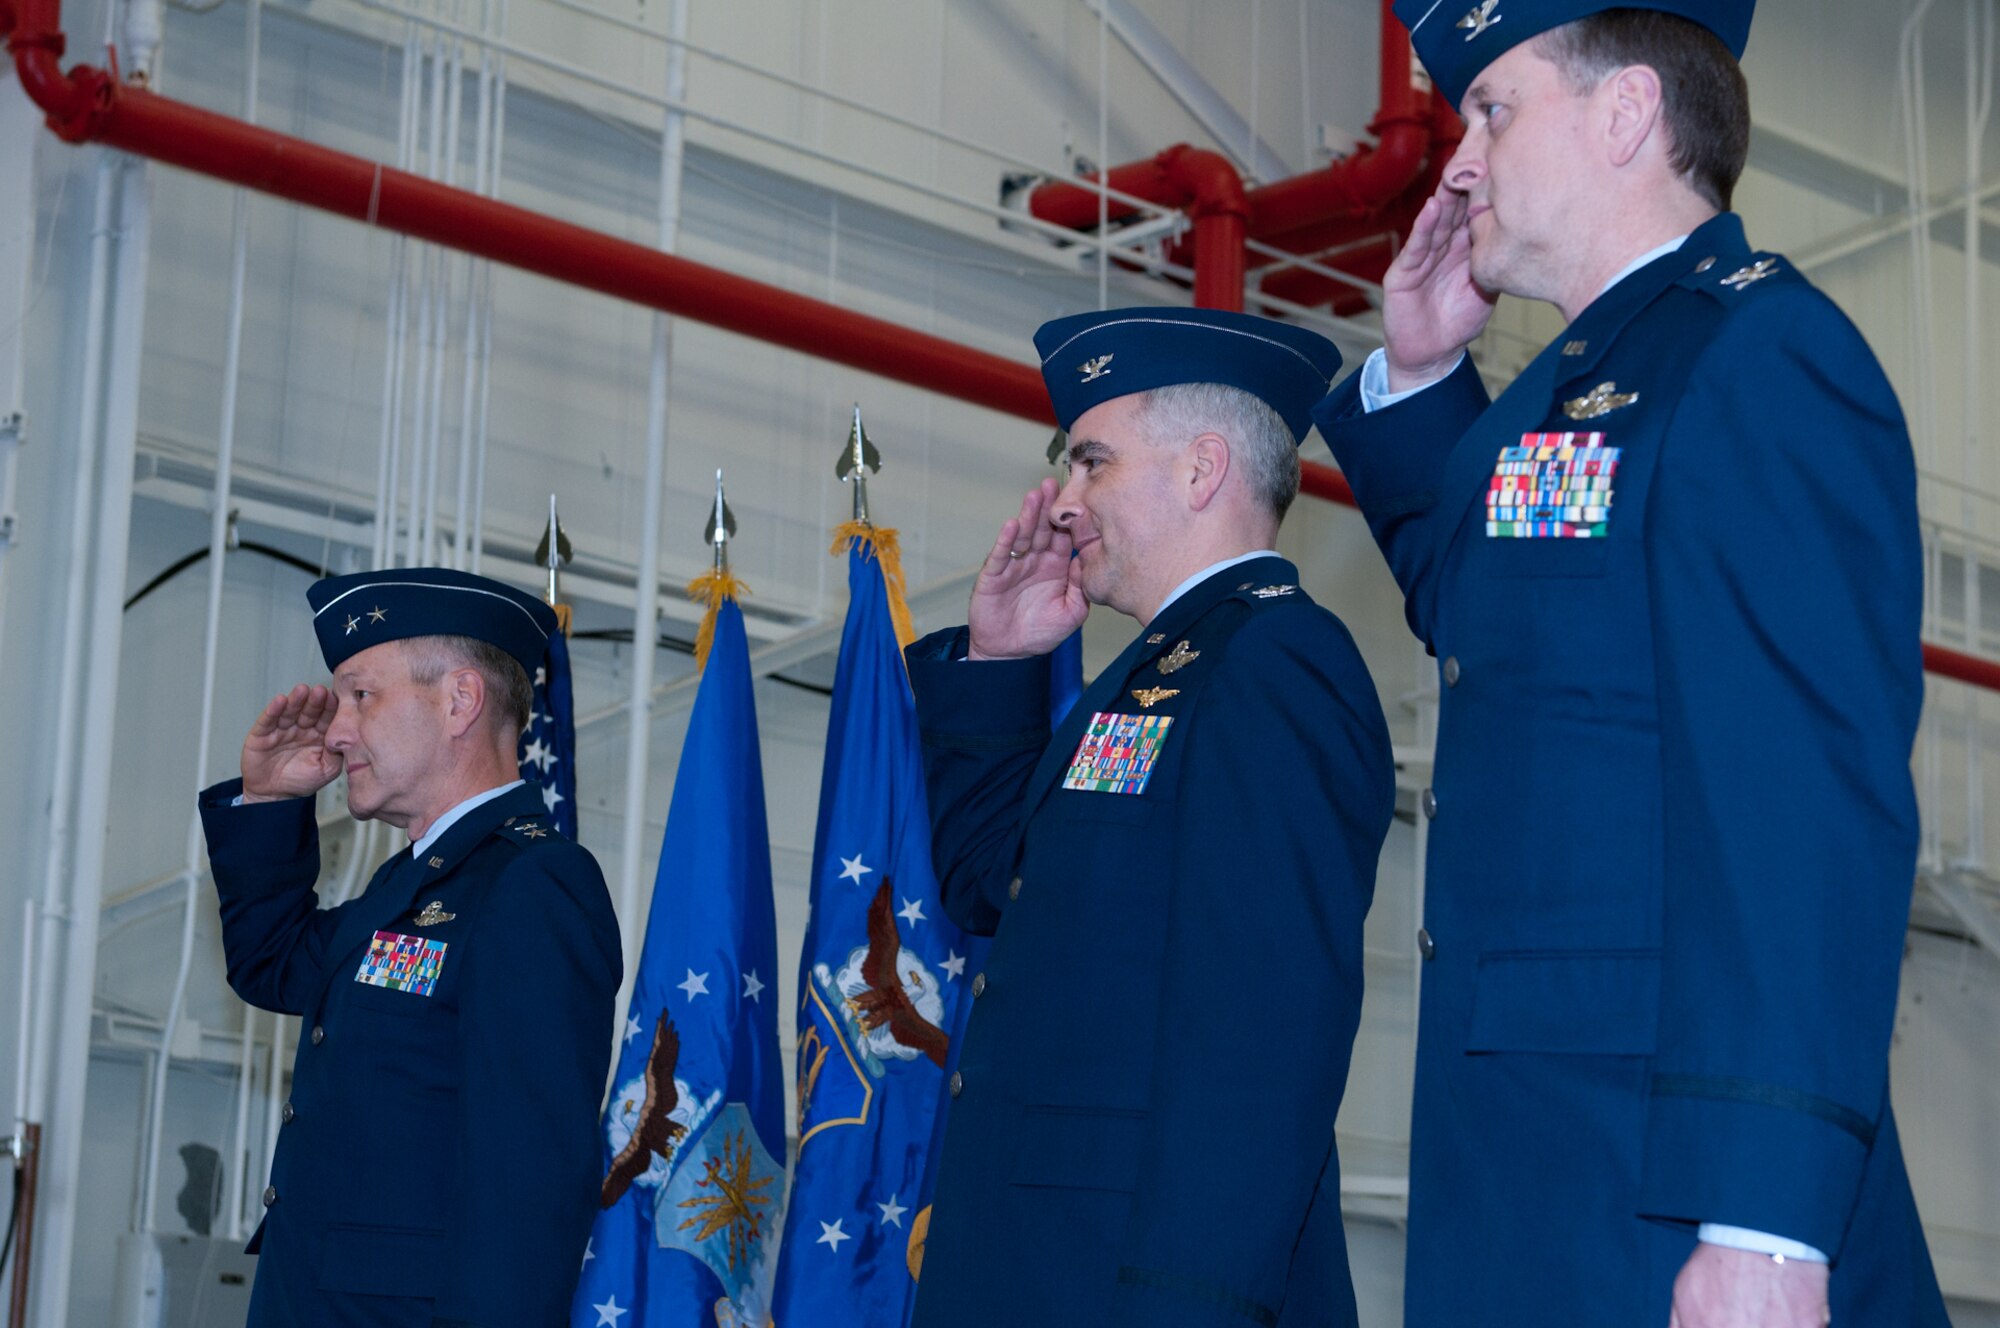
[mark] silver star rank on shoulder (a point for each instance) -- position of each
(534, 832)
(433, 914)
(1599, 400)
(1479, 18)
(1094, 369)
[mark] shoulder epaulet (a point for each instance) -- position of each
(1729, 283)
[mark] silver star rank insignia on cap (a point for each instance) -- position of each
(433, 914)
(1479, 18)
(353, 625)
(1599, 400)
(1148, 697)
(1751, 275)
(1092, 370)
(1178, 658)
(377, 614)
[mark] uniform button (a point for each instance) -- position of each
(1451, 671)
(978, 985)
(1425, 945)
(957, 1083)
(319, 1034)
(270, 1195)
(1429, 802)
(1014, 888)
(287, 1114)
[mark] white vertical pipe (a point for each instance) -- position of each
(486, 312)
(112, 537)
(239, 1141)
(274, 1097)
(218, 554)
(1103, 156)
(26, 1034)
(398, 357)
(427, 331)
(1978, 104)
(645, 608)
(454, 97)
(469, 388)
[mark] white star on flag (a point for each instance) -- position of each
(696, 984)
(954, 965)
(539, 755)
(609, 1313)
(851, 869)
(551, 797)
(831, 1235)
(911, 912)
(541, 676)
(752, 985)
(589, 1249)
(892, 1213)
(632, 1028)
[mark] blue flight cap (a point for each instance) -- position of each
(352, 613)
(1456, 39)
(1088, 359)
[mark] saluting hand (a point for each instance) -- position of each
(286, 755)
(1431, 307)
(1029, 595)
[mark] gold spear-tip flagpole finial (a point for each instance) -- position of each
(551, 554)
(721, 526)
(858, 460)
(717, 585)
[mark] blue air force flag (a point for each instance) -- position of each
(694, 1134)
(548, 744)
(882, 978)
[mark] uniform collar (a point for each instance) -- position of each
(1583, 344)
(418, 847)
(1209, 571)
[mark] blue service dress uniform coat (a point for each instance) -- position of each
(1674, 831)
(439, 1159)
(1143, 1130)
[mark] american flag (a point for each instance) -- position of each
(548, 745)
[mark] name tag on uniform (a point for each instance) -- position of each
(1552, 486)
(1117, 753)
(402, 963)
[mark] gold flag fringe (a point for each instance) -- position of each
(880, 543)
(711, 588)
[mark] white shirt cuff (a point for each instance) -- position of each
(1375, 393)
(1757, 1242)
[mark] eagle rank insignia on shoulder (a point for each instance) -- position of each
(1178, 658)
(433, 914)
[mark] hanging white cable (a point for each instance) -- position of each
(427, 329)
(1256, 58)
(1978, 109)
(447, 264)
(486, 299)
(390, 503)
(646, 596)
(218, 554)
(469, 375)
(1306, 136)
(1103, 154)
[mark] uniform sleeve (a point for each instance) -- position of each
(1394, 458)
(1286, 795)
(984, 725)
(1787, 582)
(265, 860)
(542, 972)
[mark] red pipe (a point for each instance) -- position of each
(1201, 182)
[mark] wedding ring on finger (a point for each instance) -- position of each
(1013, 553)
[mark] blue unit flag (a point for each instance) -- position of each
(695, 1128)
(548, 744)
(883, 978)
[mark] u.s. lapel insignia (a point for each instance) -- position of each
(1599, 400)
(1479, 18)
(1274, 592)
(1750, 276)
(1156, 638)
(1576, 347)
(436, 861)
(1094, 369)
(433, 914)
(1178, 658)
(1148, 697)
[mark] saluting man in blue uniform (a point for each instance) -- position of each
(438, 1162)
(1672, 580)
(1143, 1131)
